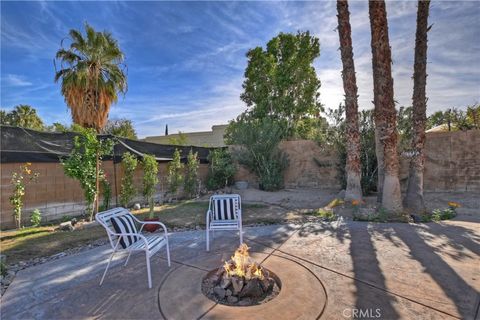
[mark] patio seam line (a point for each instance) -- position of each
(268, 255)
(160, 287)
(478, 307)
(366, 282)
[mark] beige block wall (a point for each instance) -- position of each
(57, 195)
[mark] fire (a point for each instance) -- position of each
(241, 265)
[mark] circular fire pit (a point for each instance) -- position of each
(302, 294)
(240, 292)
(241, 281)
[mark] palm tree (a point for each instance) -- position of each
(26, 117)
(414, 197)
(92, 75)
(353, 166)
(385, 114)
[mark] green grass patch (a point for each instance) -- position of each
(323, 213)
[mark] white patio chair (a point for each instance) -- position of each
(224, 213)
(129, 239)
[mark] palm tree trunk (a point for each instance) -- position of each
(385, 114)
(414, 197)
(353, 166)
(380, 168)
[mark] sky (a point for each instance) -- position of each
(186, 60)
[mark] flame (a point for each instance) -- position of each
(241, 265)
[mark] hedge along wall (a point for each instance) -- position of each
(57, 195)
(452, 164)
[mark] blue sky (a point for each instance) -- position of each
(186, 59)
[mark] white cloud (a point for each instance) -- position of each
(16, 80)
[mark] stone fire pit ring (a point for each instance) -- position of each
(302, 296)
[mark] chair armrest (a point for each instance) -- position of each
(153, 222)
(209, 215)
(141, 236)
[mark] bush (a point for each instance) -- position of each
(220, 170)
(19, 181)
(191, 175)
(258, 142)
(107, 193)
(445, 214)
(81, 164)
(36, 218)
(174, 175)
(129, 164)
(150, 179)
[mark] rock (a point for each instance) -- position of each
(66, 226)
(228, 293)
(237, 285)
(225, 283)
(219, 292)
(341, 195)
(267, 284)
(245, 302)
(232, 299)
(252, 289)
(74, 221)
(136, 206)
(90, 224)
(3, 258)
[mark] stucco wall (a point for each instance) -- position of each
(212, 138)
(57, 195)
(452, 164)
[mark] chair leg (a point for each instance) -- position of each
(208, 239)
(168, 253)
(147, 255)
(106, 269)
(241, 236)
(128, 258)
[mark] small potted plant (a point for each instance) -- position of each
(150, 181)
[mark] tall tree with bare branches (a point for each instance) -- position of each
(385, 114)
(353, 165)
(414, 198)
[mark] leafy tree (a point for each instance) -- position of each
(405, 128)
(191, 175)
(150, 180)
(23, 116)
(129, 164)
(19, 180)
(221, 169)
(120, 128)
(174, 173)
(82, 163)
(4, 118)
(454, 119)
(92, 76)
(259, 151)
(58, 127)
(107, 192)
(281, 82)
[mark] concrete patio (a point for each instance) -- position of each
(354, 270)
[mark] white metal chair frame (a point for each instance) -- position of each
(104, 219)
(232, 224)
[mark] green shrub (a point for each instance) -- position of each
(128, 192)
(19, 181)
(81, 164)
(191, 175)
(445, 214)
(258, 150)
(221, 169)
(36, 218)
(107, 193)
(175, 173)
(323, 213)
(150, 180)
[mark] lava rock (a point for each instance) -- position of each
(267, 284)
(225, 283)
(219, 292)
(245, 302)
(232, 299)
(228, 292)
(252, 289)
(237, 284)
